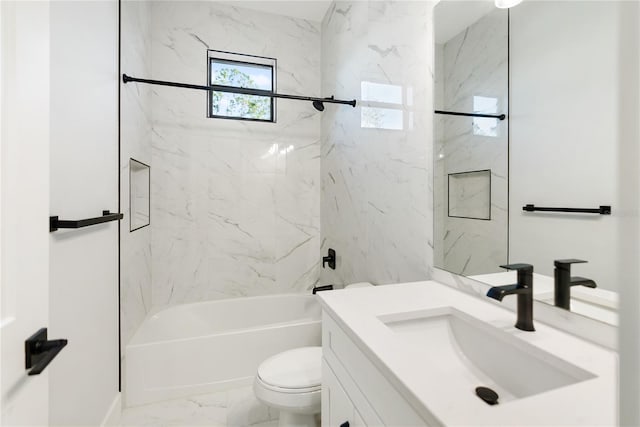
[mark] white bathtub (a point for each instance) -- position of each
(215, 345)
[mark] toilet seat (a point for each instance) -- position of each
(291, 382)
(293, 371)
(287, 390)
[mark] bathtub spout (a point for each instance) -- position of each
(317, 289)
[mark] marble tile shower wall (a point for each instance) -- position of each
(473, 63)
(135, 122)
(376, 203)
(439, 195)
(235, 204)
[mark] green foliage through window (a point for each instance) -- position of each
(244, 75)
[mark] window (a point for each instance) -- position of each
(382, 106)
(485, 126)
(244, 71)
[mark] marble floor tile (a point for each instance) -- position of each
(233, 408)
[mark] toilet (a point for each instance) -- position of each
(291, 382)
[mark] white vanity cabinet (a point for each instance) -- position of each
(354, 391)
(337, 407)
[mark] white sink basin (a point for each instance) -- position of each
(473, 353)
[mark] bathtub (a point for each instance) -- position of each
(215, 345)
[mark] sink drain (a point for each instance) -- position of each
(488, 395)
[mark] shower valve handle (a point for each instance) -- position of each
(330, 260)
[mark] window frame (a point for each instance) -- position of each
(241, 59)
(370, 102)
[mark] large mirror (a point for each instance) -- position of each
(552, 68)
(471, 153)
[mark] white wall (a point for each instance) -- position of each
(24, 206)
(229, 218)
(135, 142)
(565, 59)
(84, 181)
(376, 203)
(628, 171)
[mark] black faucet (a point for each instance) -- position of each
(563, 282)
(523, 289)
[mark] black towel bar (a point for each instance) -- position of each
(602, 210)
(55, 223)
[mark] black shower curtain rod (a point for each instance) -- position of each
(318, 103)
(455, 113)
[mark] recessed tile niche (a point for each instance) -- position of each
(470, 194)
(139, 190)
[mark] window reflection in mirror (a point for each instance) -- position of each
(383, 106)
(485, 126)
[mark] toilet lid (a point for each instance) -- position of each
(294, 369)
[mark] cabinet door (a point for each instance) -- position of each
(337, 408)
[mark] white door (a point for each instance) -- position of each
(24, 205)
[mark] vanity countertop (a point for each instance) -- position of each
(358, 311)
